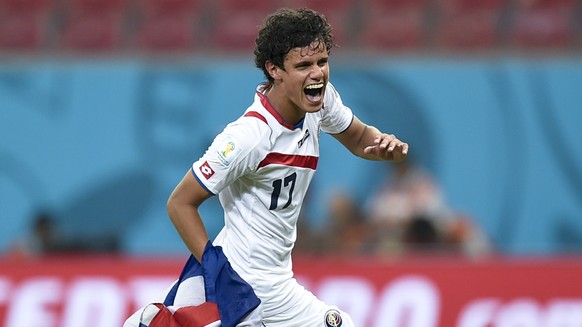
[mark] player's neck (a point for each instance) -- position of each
(290, 112)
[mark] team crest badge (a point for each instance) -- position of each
(333, 318)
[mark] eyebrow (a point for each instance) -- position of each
(309, 62)
(302, 63)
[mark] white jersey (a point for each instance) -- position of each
(261, 167)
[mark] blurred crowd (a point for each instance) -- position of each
(118, 26)
(407, 215)
(46, 237)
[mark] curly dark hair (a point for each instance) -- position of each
(287, 29)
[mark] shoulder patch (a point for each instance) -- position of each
(227, 151)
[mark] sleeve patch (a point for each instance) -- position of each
(228, 151)
(206, 170)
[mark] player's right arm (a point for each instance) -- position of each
(182, 208)
(227, 158)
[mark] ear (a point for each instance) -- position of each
(273, 70)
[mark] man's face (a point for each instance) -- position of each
(305, 77)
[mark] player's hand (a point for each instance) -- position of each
(388, 147)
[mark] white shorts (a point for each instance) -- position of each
(291, 305)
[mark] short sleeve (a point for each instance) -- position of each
(336, 116)
(233, 153)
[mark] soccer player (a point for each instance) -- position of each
(260, 166)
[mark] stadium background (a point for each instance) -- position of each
(104, 104)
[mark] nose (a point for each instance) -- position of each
(317, 72)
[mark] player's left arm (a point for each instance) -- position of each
(368, 142)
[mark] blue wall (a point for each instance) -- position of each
(102, 144)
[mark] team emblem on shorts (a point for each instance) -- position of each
(333, 318)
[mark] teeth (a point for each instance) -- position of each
(314, 86)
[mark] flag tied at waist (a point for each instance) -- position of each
(207, 294)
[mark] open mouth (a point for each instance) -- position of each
(314, 92)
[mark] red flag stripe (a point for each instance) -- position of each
(200, 315)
